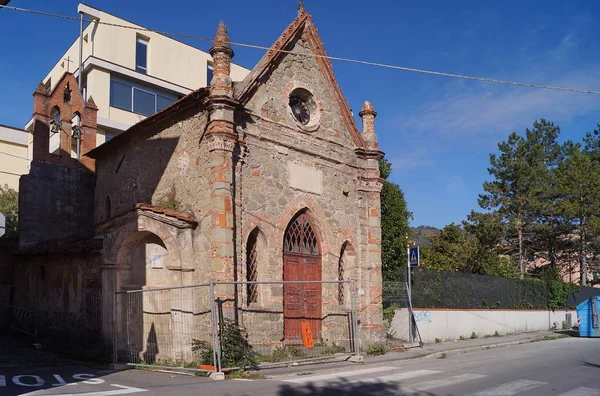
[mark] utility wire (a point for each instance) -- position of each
(336, 58)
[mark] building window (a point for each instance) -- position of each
(252, 258)
(210, 72)
(341, 267)
(141, 55)
(138, 98)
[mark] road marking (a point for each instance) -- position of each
(38, 381)
(123, 391)
(510, 388)
(457, 379)
(395, 377)
(582, 392)
(337, 375)
(2, 380)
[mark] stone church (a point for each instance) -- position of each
(268, 180)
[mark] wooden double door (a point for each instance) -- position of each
(302, 302)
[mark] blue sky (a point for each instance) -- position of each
(437, 131)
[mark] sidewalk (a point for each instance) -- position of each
(428, 351)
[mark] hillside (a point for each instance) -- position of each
(421, 234)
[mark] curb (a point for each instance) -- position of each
(448, 352)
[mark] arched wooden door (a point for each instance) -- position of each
(301, 262)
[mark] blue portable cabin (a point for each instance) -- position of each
(587, 316)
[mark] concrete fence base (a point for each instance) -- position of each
(451, 324)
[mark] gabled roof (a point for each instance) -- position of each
(302, 23)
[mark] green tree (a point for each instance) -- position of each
(519, 191)
(9, 206)
(453, 249)
(395, 218)
(578, 181)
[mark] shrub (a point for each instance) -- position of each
(438, 340)
(375, 350)
(235, 349)
(473, 335)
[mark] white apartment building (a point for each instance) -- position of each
(130, 73)
(13, 155)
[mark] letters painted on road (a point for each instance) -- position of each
(17, 380)
(35, 380)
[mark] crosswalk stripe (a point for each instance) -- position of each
(582, 392)
(337, 375)
(457, 379)
(396, 377)
(510, 388)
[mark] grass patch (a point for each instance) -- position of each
(244, 375)
(496, 334)
(549, 338)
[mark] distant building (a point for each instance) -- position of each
(130, 73)
(13, 155)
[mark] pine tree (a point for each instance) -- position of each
(578, 182)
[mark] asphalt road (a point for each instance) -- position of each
(565, 367)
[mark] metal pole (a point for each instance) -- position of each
(114, 327)
(354, 318)
(409, 292)
(215, 336)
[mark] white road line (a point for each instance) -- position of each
(395, 377)
(510, 388)
(123, 391)
(457, 379)
(337, 375)
(582, 392)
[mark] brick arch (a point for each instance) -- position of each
(123, 244)
(317, 219)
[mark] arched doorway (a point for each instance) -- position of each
(301, 262)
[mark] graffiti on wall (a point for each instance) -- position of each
(423, 316)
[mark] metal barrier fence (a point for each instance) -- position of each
(218, 326)
(159, 327)
(75, 327)
(23, 320)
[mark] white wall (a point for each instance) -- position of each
(451, 324)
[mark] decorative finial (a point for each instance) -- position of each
(301, 9)
(221, 41)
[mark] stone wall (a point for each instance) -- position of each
(56, 287)
(7, 268)
(290, 167)
(168, 166)
(56, 203)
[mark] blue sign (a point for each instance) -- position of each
(413, 256)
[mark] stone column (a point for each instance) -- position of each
(370, 185)
(222, 138)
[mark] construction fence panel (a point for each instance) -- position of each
(288, 321)
(165, 328)
(211, 327)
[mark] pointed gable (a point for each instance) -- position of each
(301, 37)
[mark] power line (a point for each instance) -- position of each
(336, 58)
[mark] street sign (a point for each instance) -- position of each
(2, 224)
(413, 256)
